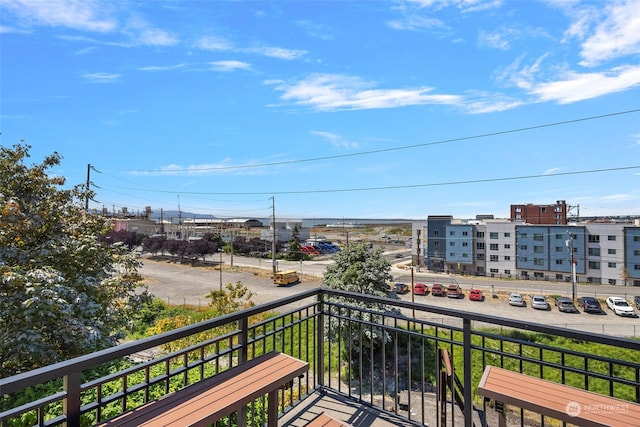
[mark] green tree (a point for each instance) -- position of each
(295, 253)
(63, 292)
(364, 271)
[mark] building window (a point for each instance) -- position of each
(507, 257)
(543, 210)
(465, 233)
(465, 255)
(594, 238)
(538, 249)
(465, 243)
(452, 243)
(493, 235)
(480, 257)
(436, 233)
(507, 234)
(494, 270)
(538, 261)
(493, 258)
(480, 234)
(452, 233)
(636, 267)
(559, 236)
(493, 247)
(559, 249)
(523, 235)
(538, 237)
(523, 247)
(611, 265)
(594, 251)
(611, 238)
(507, 272)
(436, 243)
(636, 238)
(518, 209)
(611, 251)
(594, 265)
(612, 281)
(507, 246)
(636, 253)
(558, 262)
(452, 254)
(524, 259)
(480, 245)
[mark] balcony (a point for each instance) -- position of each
(373, 361)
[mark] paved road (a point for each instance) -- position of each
(183, 284)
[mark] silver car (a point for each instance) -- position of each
(539, 302)
(516, 299)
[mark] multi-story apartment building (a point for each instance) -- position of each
(540, 214)
(437, 241)
(607, 253)
(500, 246)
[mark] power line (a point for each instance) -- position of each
(386, 150)
(395, 187)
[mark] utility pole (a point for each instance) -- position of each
(573, 266)
(273, 243)
(418, 249)
(86, 196)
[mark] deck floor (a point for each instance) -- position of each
(340, 408)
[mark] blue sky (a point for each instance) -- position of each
(366, 109)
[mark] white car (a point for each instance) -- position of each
(620, 306)
(539, 302)
(516, 299)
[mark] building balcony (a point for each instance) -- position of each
(372, 361)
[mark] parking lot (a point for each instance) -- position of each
(183, 284)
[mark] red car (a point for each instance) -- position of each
(420, 289)
(437, 290)
(476, 295)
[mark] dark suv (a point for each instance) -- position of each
(590, 305)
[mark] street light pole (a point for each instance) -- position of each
(220, 266)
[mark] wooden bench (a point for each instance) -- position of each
(558, 401)
(205, 402)
(324, 420)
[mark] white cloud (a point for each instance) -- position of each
(213, 43)
(102, 77)
(229, 65)
(86, 15)
(574, 87)
(149, 36)
(616, 36)
(335, 139)
(163, 67)
(340, 92)
(276, 52)
(551, 171)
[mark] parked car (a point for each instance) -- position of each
(420, 289)
(516, 299)
(437, 290)
(620, 306)
(476, 295)
(400, 288)
(539, 302)
(566, 305)
(590, 305)
(636, 299)
(454, 291)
